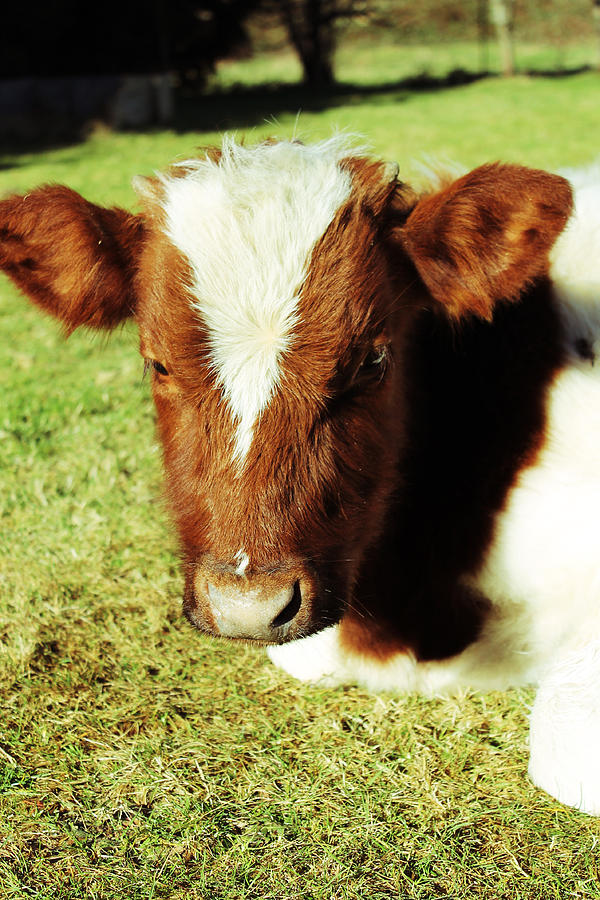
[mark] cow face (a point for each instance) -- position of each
(272, 324)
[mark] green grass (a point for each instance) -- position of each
(372, 62)
(140, 760)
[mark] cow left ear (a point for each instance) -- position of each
(75, 260)
(486, 236)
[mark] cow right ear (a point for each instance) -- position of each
(486, 236)
(75, 260)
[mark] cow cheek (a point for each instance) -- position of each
(182, 467)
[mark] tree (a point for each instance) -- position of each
(194, 34)
(311, 26)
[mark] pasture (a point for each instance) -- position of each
(139, 760)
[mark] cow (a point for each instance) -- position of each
(378, 408)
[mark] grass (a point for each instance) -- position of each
(369, 62)
(140, 760)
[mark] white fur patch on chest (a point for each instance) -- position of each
(247, 224)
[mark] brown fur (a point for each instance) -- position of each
(74, 259)
(486, 237)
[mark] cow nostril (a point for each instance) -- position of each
(290, 611)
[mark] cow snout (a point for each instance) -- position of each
(263, 608)
(254, 612)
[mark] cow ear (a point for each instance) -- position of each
(486, 236)
(76, 260)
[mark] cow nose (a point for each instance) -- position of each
(253, 611)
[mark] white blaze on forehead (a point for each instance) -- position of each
(247, 225)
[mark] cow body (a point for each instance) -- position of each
(379, 413)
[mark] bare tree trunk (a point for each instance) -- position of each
(596, 15)
(501, 15)
(483, 35)
(310, 24)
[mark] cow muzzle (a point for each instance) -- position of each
(266, 607)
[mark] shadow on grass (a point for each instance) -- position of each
(556, 73)
(245, 107)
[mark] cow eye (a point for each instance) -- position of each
(373, 364)
(375, 359)
(368, 369)
(156, 365)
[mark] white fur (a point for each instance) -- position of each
(565, 727)
(248, 224)
(576, 259)
(542, 572)
(242, 559)
(497, 660)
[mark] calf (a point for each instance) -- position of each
(379, 413)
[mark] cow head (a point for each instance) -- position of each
(274, 288)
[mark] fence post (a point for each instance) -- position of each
(596, 15)
(501, 16)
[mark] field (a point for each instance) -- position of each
(141, 761)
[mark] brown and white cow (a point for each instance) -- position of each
(379, 413)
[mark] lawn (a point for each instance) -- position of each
(139, 760)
